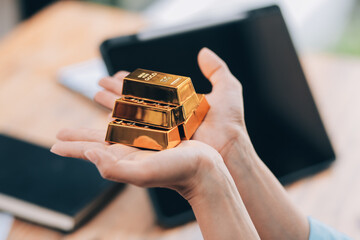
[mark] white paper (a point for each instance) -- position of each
(83, 77)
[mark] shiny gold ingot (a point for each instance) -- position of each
(142, 136)
(154, 113)
(189, 127)
(157, 86)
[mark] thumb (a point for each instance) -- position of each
(214, 68)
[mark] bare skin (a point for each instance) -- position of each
(194, 169)
(266, 201)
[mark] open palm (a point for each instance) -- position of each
(174, 168)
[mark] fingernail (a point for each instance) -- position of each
(92, 156)
(205, 49)
(53, 149)
(57, 150)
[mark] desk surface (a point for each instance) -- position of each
(33, 106)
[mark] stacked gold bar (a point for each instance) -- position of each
(156, 111)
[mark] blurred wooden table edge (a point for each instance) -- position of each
(332, 196)
(68, 32)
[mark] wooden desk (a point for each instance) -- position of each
(33, 106)
(333, 196)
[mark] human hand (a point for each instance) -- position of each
(193, 168)
(224, 129)
(180, 168)
(224, 122)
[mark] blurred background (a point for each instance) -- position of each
(326, 26)
(318, 25)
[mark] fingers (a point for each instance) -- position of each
(214, 68)
(121, 75)
(74, 149)
(89, 135)
(106, 98)
(113, 88)
(112, 85)
(141, 168)
(125, 171)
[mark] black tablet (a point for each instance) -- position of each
(281, 115)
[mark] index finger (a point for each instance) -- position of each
(114, 84)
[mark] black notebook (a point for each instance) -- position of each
(47, 189)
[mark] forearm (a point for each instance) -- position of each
(271, 210)
(219, 209)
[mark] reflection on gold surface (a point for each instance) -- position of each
(156, 111)
(143, 136)
(158, 86)
(188, 128)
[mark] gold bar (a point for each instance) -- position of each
(153, 113)
(157, 86)
(156, 111)
(142, 136)
(189, 106)
(189, 127)
(148, 112)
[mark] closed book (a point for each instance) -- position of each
(47, 189)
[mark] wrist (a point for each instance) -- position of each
(216, 197)
(239, 153)
(211, 178)
(264, 197)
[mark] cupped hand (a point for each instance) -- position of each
(180, 168)
(225, 120)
